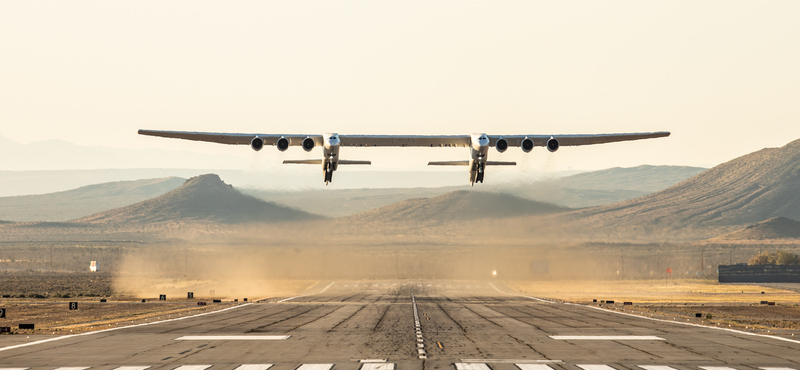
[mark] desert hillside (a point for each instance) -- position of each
(201, 198)
(774, 228)
(743, 191)
(456, 206)
(83, 201)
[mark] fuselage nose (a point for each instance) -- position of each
(331, 140)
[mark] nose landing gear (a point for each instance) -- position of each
(328, 173)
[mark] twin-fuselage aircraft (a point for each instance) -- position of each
(478, 145)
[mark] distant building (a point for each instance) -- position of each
(743, 273)
(93, 266)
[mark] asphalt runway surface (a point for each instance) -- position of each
(405, 325)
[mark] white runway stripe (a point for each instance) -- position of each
(376, 366)
(254, 367)
(471, 366)
(716, 368)
(73, 368)
(533, 367)
(776, 368)
(595, 367)
(606, 337)
(132, 368)
(234, 337)
(315, 367)
(14, 368)
(656, 367)
(192, 367)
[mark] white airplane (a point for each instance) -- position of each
(478, 145)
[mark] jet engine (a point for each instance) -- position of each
(501, 145)
(257, 143)
(527, 145)
(308, 144)
(282, 144)
(552, 145)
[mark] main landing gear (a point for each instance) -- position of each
(479, 176)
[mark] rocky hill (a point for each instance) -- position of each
(774, 228)
(456, 206)
(743, 191)
(201, 198)
(83, 201)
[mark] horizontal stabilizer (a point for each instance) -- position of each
(449, 163)
(498, 163)
(303, 161)
(344, 161)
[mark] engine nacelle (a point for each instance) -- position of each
(501, 145)
(552, 145)
(308, 144)
(527, 145)
(257, 143)
(282, 144)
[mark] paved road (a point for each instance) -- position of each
(459, 326)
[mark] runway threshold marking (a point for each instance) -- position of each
(374, 366)
(72, 368)
(533, 367)
(716, 368)
(510, 361)
(656, 367)
(192, 367)
(234, 337)
(595, 367)
(306, 295)
(315, 367)
(471, 366)
(609, 337)
(254, 367)
(133, 368)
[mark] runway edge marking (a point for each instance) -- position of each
(119, 328)
(306, 295)
(655, 319)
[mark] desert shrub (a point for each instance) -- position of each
(775, 258)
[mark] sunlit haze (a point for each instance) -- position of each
(722, 76)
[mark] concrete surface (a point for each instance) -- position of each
(459, 325)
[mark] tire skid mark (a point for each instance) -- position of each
(347, 318)
(317, 318)
(284, 319)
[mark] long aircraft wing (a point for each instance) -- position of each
(403, 140)
(575, 140)
(229, 138)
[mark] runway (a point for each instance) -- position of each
(407, 325)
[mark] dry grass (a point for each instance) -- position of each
(656, 291)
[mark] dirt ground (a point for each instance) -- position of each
(735, 306)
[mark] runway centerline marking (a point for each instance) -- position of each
(254, 367)
(234, 337)
(609, 337)
(471, 366)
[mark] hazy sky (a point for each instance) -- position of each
(723, 76)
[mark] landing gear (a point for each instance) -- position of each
(328, 173)
(479, 175)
